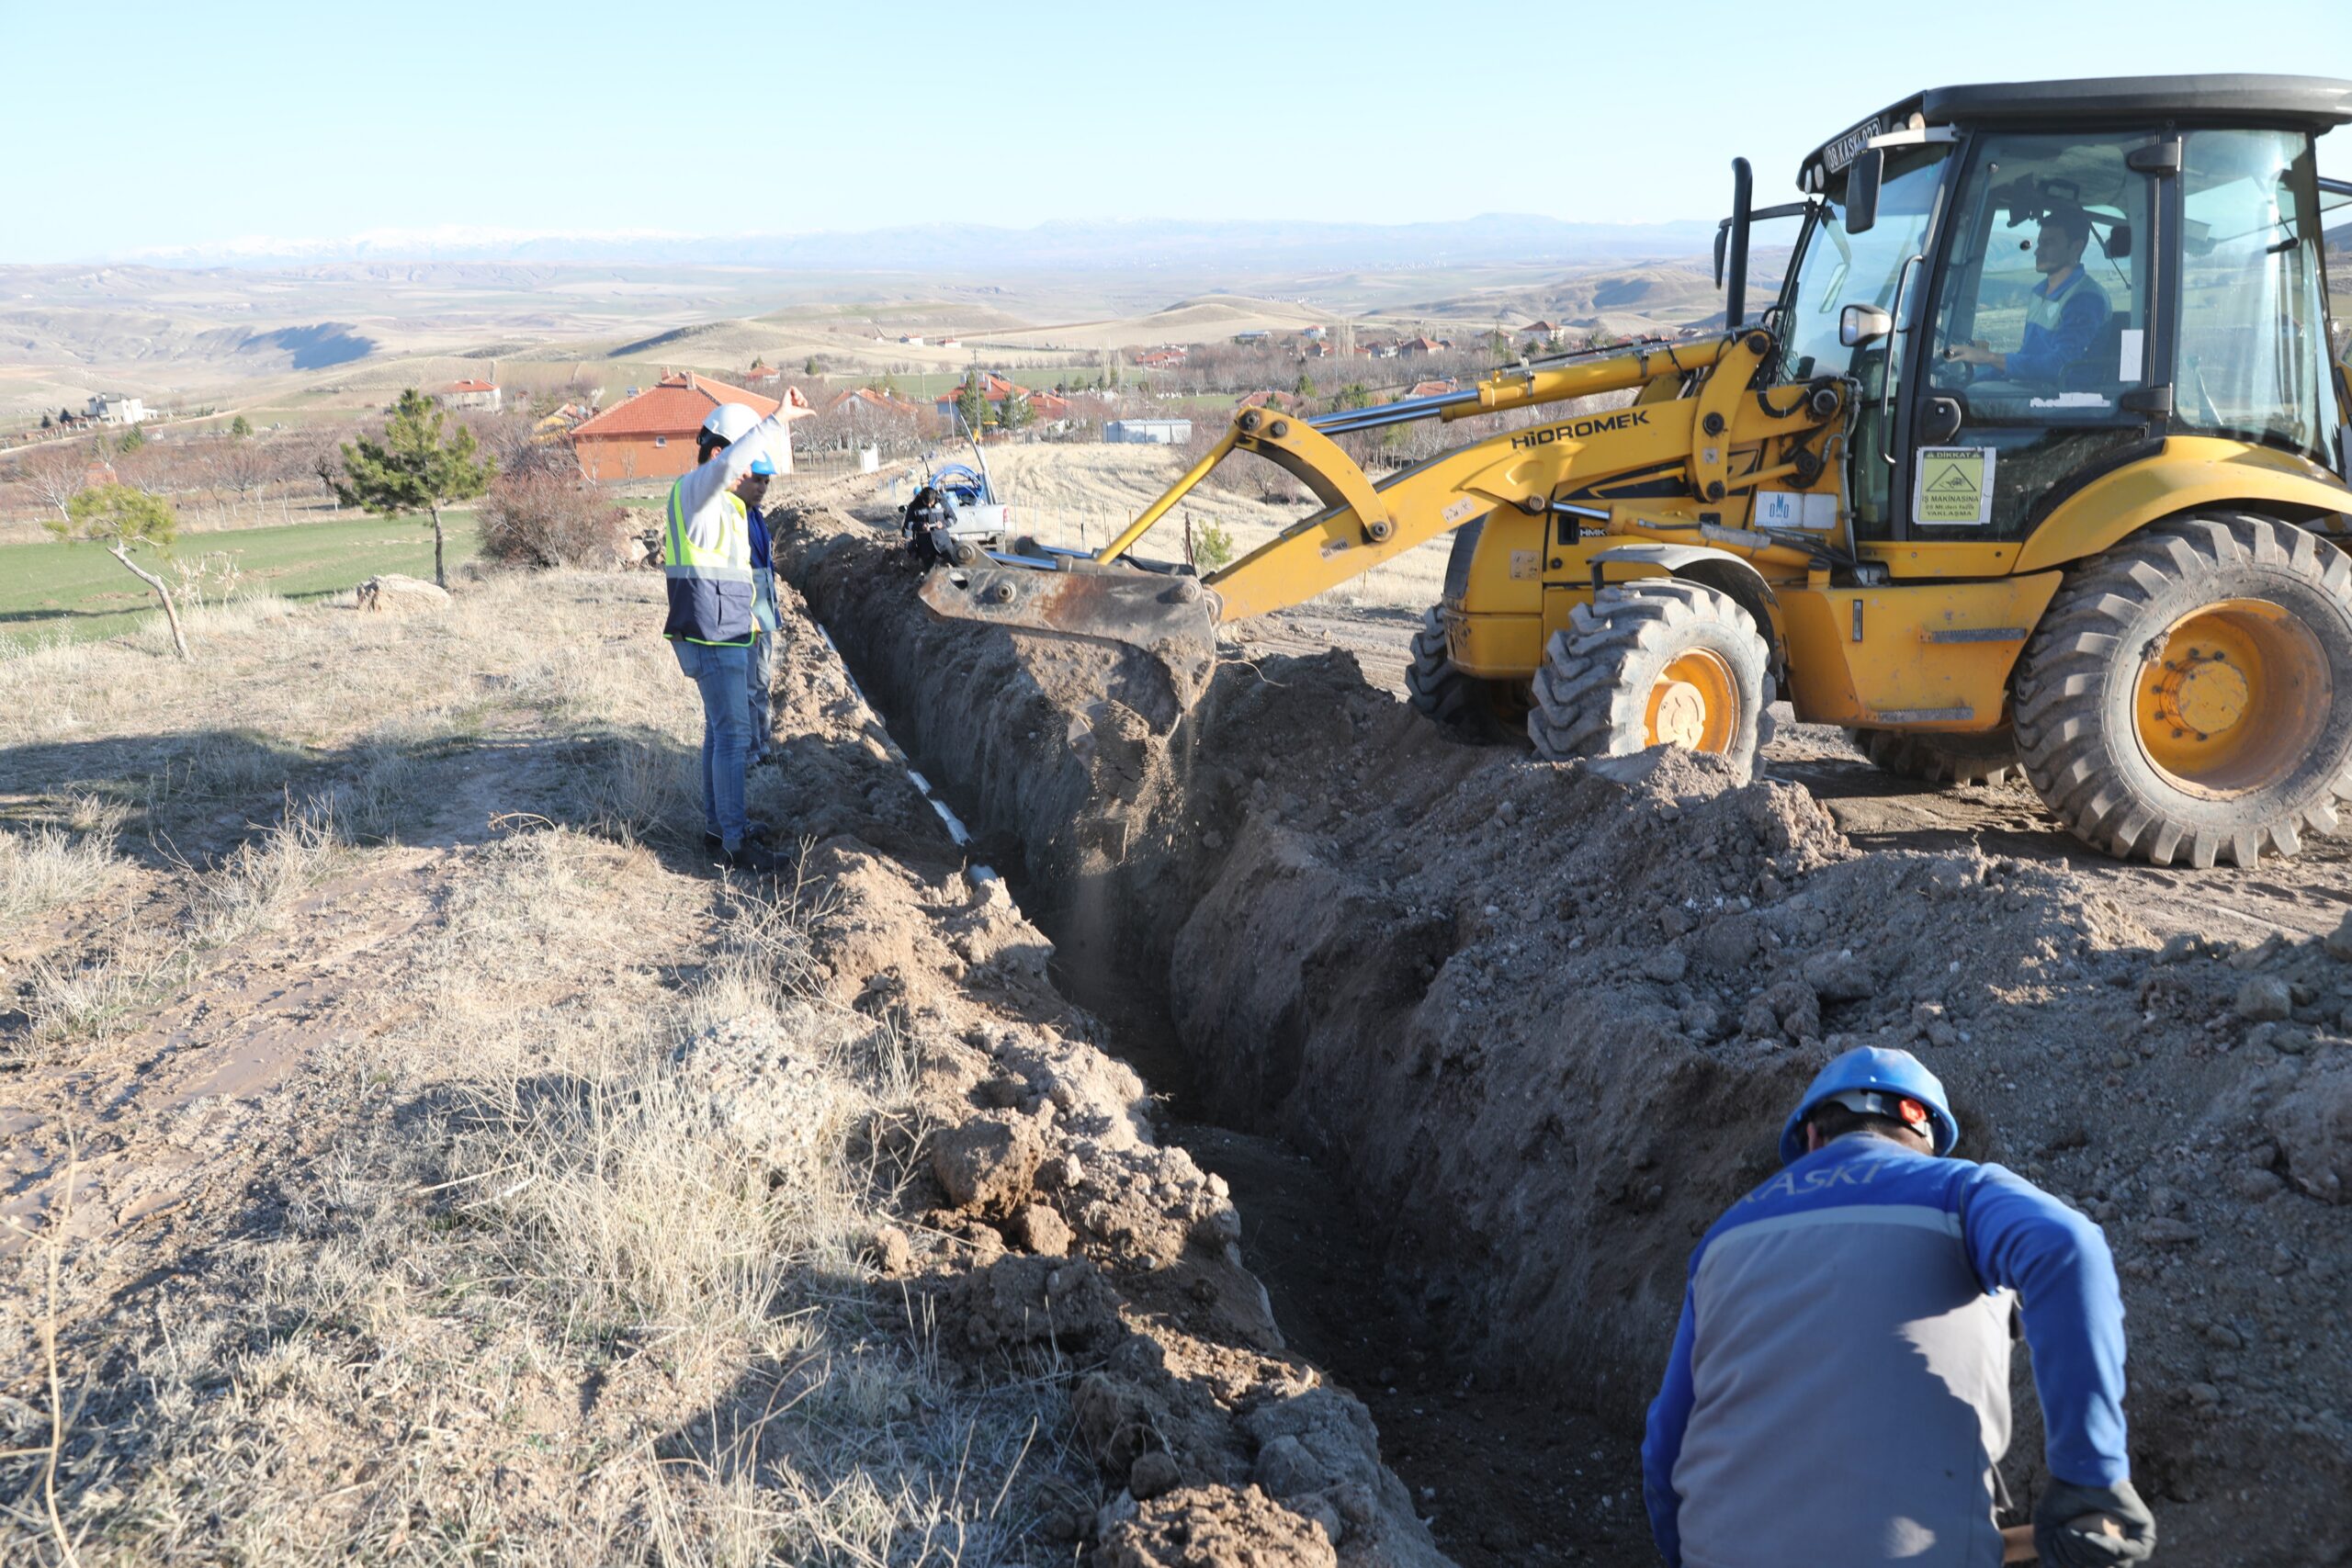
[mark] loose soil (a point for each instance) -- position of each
(1022, 1235)
(1537, 1025)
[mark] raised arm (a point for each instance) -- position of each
(697, 487)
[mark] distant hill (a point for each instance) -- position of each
(966, 248)
(115, 338)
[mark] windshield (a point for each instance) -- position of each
(1838, 269)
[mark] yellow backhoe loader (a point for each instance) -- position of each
(2039, 459)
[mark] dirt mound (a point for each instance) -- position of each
(1547, 1021)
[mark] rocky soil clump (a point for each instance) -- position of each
(1548, 1019)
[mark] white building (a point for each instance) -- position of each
(474, 395)
(1147, 431)
(113, 408)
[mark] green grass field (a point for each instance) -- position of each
(81, 592)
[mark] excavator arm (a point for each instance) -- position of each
(1713, 439)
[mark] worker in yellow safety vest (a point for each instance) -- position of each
(706, 556)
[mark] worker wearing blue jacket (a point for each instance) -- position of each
(1838, 1389)
(760, 668)
(2063, 314)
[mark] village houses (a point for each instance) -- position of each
(652, 435)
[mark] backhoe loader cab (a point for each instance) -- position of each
(2052, 275)
(2038, 461)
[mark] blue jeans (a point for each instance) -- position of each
(762, 675)
(723, 676)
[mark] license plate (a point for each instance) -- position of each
(1841, 151)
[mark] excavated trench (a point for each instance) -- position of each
(1483, 1044)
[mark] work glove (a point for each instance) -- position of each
(2070, 1531)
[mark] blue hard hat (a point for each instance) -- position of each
(763, 467)
(1866, 1069)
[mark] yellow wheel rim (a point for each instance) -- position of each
(1694, 703)
(2234, 696)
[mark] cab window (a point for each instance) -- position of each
(2043, 315)
(2253, 315)
(2039, 327)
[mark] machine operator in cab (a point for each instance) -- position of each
(2064, 316)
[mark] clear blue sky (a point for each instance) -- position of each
(173, 124)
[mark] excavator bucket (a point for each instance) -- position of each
(1172, 618)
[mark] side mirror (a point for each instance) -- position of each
(1862, 178)
(1858, 326)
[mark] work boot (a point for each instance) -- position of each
(753, 832)
(751, 859)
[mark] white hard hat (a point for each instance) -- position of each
(730, 422)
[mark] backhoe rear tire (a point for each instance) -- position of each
(2187, 696)
(1988, 759)
(1441, 692)
(1648, 662)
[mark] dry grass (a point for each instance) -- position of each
(255, 885)
(509, 1288)
(68, 861)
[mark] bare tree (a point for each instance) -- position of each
(243, 466)
(56, 473)
(514, 441)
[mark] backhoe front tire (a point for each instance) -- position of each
(1934, 758)
(1442, 694)
(2187, 696)
(1648, 662)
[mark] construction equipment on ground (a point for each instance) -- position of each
(971, 519)
(2109, 551)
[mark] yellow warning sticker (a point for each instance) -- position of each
(1955, 486)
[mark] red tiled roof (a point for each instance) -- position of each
(473, 385)
(871, 397)
(995, 389)
(1429, 389)
(676, 405)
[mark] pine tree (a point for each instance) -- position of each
(414, 469)
(241, 427)
(122, 518)
(972, 403)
